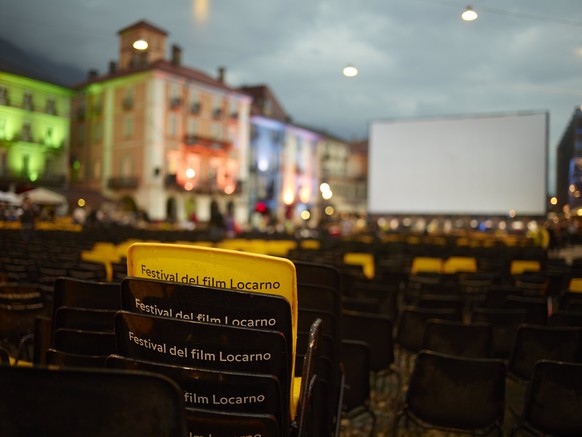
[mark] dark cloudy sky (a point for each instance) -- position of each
(416, 57)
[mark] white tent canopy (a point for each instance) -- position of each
(44, 196)
(10, 197)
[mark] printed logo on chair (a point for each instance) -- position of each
(212, 267)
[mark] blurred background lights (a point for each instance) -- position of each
(263, 164)
(329, 210)
(200, 9)
(305, 214)
(469, 14)
(190, 173)
(81, 202)
(304, 194)
(288, 197)
(188, 186)
(140, 44)
(326, 192)
(350, 71)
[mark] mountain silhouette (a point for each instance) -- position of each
(19, 61)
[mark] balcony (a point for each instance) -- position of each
(122, 182)
(207, 143)
(175, 102)
(195, 108)
(217, 113)
(127, 103)
(207, 186)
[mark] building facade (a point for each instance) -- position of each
(569, 166)
(161, 137)
(34, 132)
(290, 162)
(172, 142)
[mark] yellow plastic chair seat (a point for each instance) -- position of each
(426, 265)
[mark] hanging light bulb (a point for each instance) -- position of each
(350, 71)
(469, 14)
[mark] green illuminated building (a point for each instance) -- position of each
(34, 131)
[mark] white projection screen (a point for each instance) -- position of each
(470, 165)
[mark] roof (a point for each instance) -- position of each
(145, 25)
(360, 147)
(261, 94)
(166, 66)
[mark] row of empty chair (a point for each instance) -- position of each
(372, 317)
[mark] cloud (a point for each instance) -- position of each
(416, 57)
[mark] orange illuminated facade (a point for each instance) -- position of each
(164, 137)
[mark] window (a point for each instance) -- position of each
(25, 164)
(49, 166)
(27, 102)
(127, 167)
(98, 132)
(3, 162)
(172, 125)
(26, 131)
(267, 107)
(175, 99)
(195, 105)
(216, 131)
(128, 99)
(217, 107)
(98, 106)
(48, 136)
(127, 126)
(4, 98)
(233, 108)
(51, 106)
(81, 134)
(97, 169)
(192, 125)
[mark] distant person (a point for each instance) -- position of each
(28, 214)
(79, 215)
(217, 224)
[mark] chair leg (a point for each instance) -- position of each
(396, 423)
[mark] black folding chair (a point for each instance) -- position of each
(206, 423)
(534, 343)
(76, 341)
(377, 331)
(318, 274)
(457, 338)
(208, 389)
(357, 398)
(86, 319)
(410, 329)
(209, 305)
(455, 394)
(553, 399)
(91, 403)
(504, 323)
(71, 292)
(66, 359)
